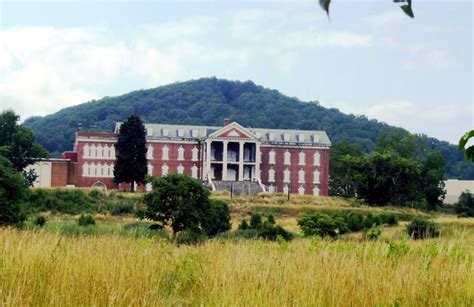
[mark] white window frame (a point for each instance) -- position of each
(317, 159)
(195, 154)
(287, 158)
(316, 177)
(302, 158)
(165, 153)
(181, 153)
(271, 175)
(286, 175)
(301, 174)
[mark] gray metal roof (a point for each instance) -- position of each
(263, 134)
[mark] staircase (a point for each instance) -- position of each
(239, 187)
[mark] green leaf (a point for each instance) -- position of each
(325, 5)
(465, 138)
(470, 153)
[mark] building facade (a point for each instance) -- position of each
(278, 160)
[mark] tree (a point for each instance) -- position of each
(12, 192)
(432, 184)
(178, 201)
(341, 181)
(402, 143)
(17, 144)
(405, 5)
(468, 150)
(131, 164)
(217, 219)
(465, 204)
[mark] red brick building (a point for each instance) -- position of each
(271, 160)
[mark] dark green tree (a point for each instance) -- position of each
(178, 201)
(341, 180)
(131, 163)
(12, 192)
(217, 219)
(465, 205)
(432, 175)
(17, 144)
(468, 150)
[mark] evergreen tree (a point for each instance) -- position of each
(131, 163)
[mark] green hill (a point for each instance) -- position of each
(208, 101)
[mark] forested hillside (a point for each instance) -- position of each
(207, 102)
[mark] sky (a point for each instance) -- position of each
(367, 59)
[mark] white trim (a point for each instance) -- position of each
(285, 145)
(233, 125)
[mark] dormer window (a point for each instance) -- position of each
(301, 137)
(181, 133)
(166, 132)
(315, 138)
(286, 137)
(195, 133)
(149, 131)
(271, 137)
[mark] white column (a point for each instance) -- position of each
(224, 160)
(241, 160)
(208, 157)
(257, 160)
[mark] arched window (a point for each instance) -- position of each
(86, 151)
(316, 158)
(316, 176)
(287, 158)
(301, 176)
(181, 153)
(100, 151)
(180, 169)
(99, 185)
(164, 169)
(271, 175)
(286, 189)
(195, 153)
(271, 157)
(302, 158)
(93, 169)
(316, 191)
(165, 152)
(86, 170)
(112, 152)
(194, 171)
(301, 190)
(286, 175)
(149, 152)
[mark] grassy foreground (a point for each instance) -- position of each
(44, 268)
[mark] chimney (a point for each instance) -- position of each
(226, 121)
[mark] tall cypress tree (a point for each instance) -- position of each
(131, 164)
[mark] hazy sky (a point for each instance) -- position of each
(368, 59)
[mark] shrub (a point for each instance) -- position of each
(319, 225)
(271, 219)
(85, 220)
(39, 221)
(388, 218)
(465, 205)
(96, 194)
(243, 225)
(69, 201)
(372, 233)
(255, 221)
(12, 192)
(355, 221)
(273, 232)
(217, 219)
(190, 236)
(124, 206)
(421, 227)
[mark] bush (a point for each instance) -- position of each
(372, 233)
(465, 205)
(271, 219)
(85, 220)
(320, 225)
(255, 221)
(217, 219)
(69, 201)
(124, 206)
(355, 221)
(12, 192)
(388, 218)
(39, 221)
(190, 236)
(272, 232)
(421, 228)
(243, 225)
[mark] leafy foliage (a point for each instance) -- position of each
(12, 192)
(217, 219)
(131, 163)
(208, 101)
(39, 220)
(86, 220)
(468, 151)
(465, 205)
(267, 230)
(421, 228)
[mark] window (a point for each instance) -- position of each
(85, 170)
(301, 158)
(301, 190)
(287, 158)
(165, 153)
(316, 176)
(149, 131)
(86, 151)
(271, 175)
(99, 151)
(92, 169)
(195, 133)
(166, 132)
(181, 133)
(164, 169)
(150, 169)
(301, 137)
(194, 171)
(180, 169)
(315, 138)
(286, 189)
(286, 137)
(316, 191)
(316, 159)
(301, 176)
(149, 152)
(195, 153)
(271, 137)
(180, 153)
(112, 152)
(286, 175)
(271, 157)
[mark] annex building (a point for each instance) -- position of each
(249, 160)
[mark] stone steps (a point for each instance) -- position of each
(238, 187)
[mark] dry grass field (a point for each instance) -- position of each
(43, 267)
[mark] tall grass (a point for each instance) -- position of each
(42, 268)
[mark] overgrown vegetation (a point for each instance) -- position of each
(423, 228)
(465, 205)
(259, 229)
